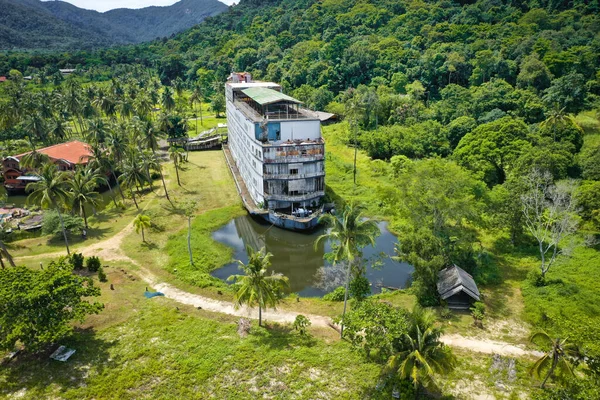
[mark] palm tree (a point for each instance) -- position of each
(96, 131)
(423, 354)
(196, 98)
(256, 287)
(140, 222)
(151, 138)
(167, 100)
(100, 161)
(59, 130)
(83, 190)
(558, 357)
(132, 176)
(350, 232)
(51, 191)
(176, 154)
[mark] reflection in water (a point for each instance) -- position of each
(295, 256)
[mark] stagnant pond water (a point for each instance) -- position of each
(295, 256)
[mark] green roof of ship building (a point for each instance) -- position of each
(264, 96)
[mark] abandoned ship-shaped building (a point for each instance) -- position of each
(276, 153)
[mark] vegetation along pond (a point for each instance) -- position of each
(295, 256)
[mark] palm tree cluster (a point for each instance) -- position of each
(59, 190)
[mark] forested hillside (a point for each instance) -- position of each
(33, 24)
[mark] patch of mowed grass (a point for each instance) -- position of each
(162, 352)
(208, 254)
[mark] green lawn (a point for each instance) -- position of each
(157, 349)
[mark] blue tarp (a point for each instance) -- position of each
(150, 295)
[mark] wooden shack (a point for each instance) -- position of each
(457, 288)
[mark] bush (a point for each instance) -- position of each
(51, 223)
(478, 313)
(446, 313)
(301, 323)
(102, 275)
(360, 288)
(93, 264)
(336, 295)
(77, 260)
(536, 279)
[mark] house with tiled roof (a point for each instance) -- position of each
(67, 156)
(3, 79)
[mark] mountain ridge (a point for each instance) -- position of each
(57, 25)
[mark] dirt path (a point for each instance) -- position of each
(110, 250)
(488, 346)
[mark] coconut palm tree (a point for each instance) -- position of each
(423, 354)
(51, 191)
(350, 232)
(168, 103)
(558, 357)
(83, 186)
(256, 287)
(196, 98)
(176, 154)
(151, 138)
(140, 223)
(100, 161)
(59, 130)
(132, 176)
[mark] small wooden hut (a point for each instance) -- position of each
(457, 288)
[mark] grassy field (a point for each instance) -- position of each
(139, 348)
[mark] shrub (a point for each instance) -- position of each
(536, 279)
(336, 295)
(301, 324)
(360, 288)
(478, 313)
(93, 264)
(77, 260)
(51, 223)
(446, 313)
(102, 275)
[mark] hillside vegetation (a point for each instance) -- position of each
(33, 24)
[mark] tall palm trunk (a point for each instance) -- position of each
(112, 194)
(552, 367)
(5, 253)
(62, 224)
(143, 237)
(134, 200)
(177, 173)
(162, 178)
(82, 208)
(345, 298)
(259, 315)
(112, 171)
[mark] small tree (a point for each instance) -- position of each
(478, 313)
(301, 323)
(140, 223)
(38, 307)
(77, 260)
(559, 356)
(256, 287)
(93, 264)
(101, 275)
(549, 212)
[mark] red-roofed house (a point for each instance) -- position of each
(66, 156)
(3, 79)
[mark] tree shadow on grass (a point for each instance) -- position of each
(278, 336)
(149, 245)
(37, 371)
